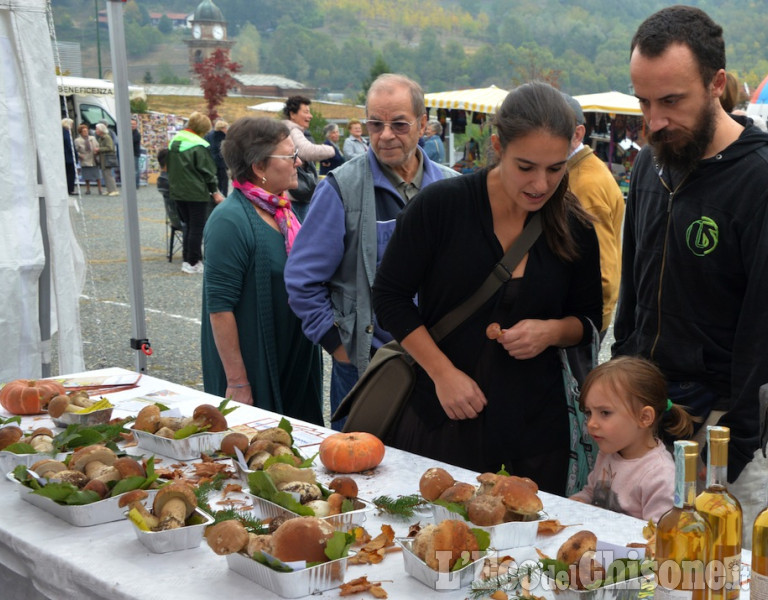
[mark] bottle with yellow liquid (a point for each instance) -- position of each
(722, 511)
(758, 584)
(683, 537)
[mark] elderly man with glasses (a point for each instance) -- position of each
(333, 262)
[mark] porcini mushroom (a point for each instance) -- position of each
(210, 416)
(96, 462)
(173, 505)
(148, 419)
(9, 435)
(227, 537)
(48, 467)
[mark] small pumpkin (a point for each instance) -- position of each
(29, 396)
(351, 452)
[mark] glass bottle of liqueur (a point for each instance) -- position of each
(683, 537)
(722, 511)
(758, 584)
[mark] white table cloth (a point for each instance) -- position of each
(42, 556)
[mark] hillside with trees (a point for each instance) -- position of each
(580, 45)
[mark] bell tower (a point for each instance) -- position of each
(209, 33)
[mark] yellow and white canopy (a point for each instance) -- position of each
(484, 100)
(614, 103)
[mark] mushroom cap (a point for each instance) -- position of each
(148, 419)
(58, 405)
(129, 467)
(211, 416)
(344, 485)
(176, 489)
(98, 486)
(227, 537)
(48, 465)
(131, 497)
(82, 457)
(41, 431)
(302, 538)
(434, 482)
(257, 446)
(234, 440)
(10, 435)
(275, 434)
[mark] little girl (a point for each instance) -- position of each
(625, 402)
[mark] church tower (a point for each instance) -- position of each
(209, 33)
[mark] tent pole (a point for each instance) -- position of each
(44, 286)
(139, 340)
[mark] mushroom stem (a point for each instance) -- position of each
(93, 468)
(173, 514)
(151, 520)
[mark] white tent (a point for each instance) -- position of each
(485, 100)
(613, 103)
(38, 248)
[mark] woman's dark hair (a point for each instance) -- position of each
(641, 383)
(162, 157)
(293, 104)
(250, 141)
(532, 107)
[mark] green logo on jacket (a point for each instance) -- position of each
(702, 236)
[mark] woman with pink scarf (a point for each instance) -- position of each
(253, 348)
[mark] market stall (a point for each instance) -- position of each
(44, 557)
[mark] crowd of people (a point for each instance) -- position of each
(296, 263)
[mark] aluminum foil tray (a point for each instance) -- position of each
(505, 535)
(265, 509)
(97, 417)
(172, 540)
(9, 460)
(440, 582)
(187, 449)
(290, 585)
(103, 511)
(622, 590)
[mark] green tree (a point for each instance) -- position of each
(379, 67)
(246, 51)
(165, 25)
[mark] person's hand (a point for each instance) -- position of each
(218, 197)
(340, 354)
(240, 393)
(459, 395)
(526, 339)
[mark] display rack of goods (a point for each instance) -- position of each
(182, 438)
(507, 507)
(279, 561)
(445, 556)
(174, 523)
(87, 489)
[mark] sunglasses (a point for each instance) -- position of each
(291, 157)
(397, 127)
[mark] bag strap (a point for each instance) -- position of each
(500, 273)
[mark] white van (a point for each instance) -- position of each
(91, 100)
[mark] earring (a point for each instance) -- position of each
(263, 180)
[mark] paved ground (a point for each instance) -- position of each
(172, 299)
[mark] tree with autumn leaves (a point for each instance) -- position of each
(215, 73)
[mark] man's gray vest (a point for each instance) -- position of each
(350, 286)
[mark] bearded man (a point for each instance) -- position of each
(694, 286)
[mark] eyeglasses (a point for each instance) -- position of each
(291, 157)
(397, 127)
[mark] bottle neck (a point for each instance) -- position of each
(717, 467)
(685, 497)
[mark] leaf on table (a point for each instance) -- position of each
(232, 488)
(541, 554)
(361, 584)
(551, 527)
(373, 551)
(361, 536)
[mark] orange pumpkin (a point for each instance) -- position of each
(351, 452)
(29, 396)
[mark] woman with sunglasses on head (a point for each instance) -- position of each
(253, 349)
(478, 402)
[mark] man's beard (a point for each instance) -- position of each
(688, 147)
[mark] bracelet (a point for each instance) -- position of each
(239, 385)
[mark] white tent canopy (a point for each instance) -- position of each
(484, 100)
(274, 107)
(614, 103)
(33, 182)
